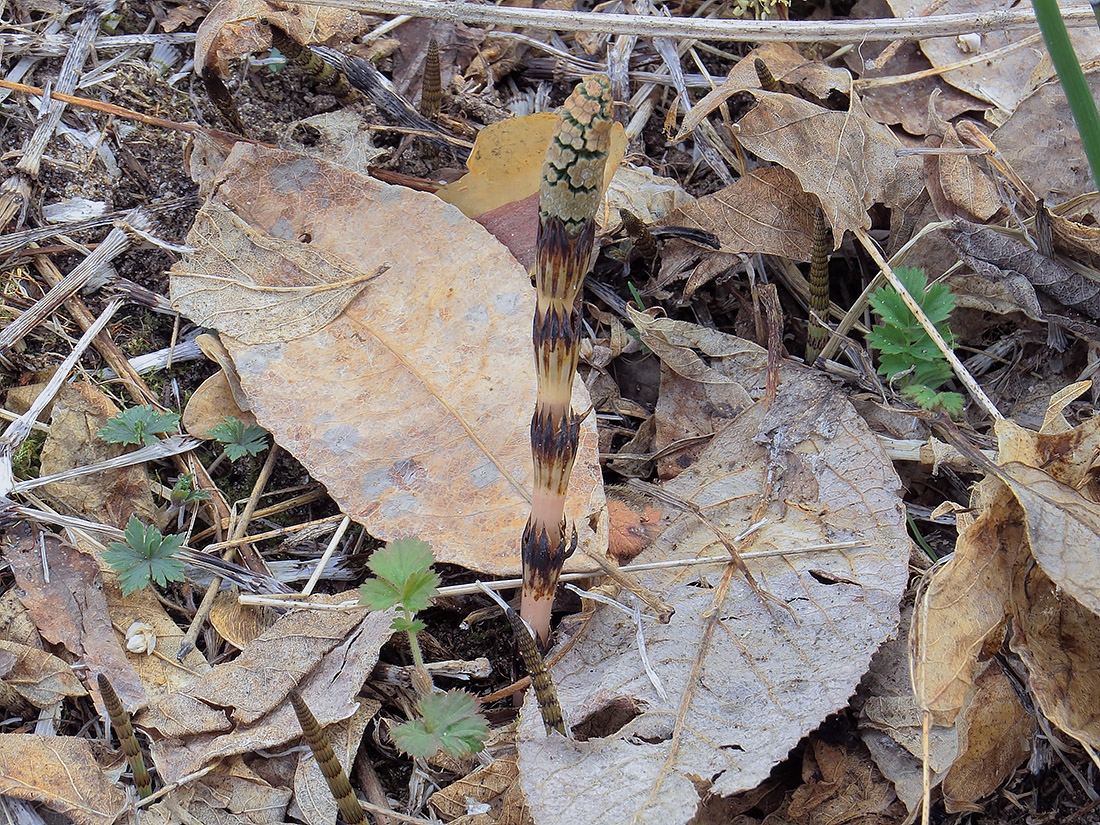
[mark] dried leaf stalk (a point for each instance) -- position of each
(572, 182)
(346, 802)
(120, 720)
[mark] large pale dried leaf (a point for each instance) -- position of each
(1042, 143)
(506, 163)
(745, 688)
(60, 772)
(413, 406)
(647, 196)
(764, 211)
(963, 606)
(39, 677)
(486, 785)
(207, 720)
(1058, 639)
(311, 791)
(995, 737)
(243, 792)
(261, 288)
(109, 497)
(70, 608)
(1063, 528)
(999, 81)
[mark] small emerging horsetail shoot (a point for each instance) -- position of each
(572, 184)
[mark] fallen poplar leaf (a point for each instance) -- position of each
(61, 773)
(39, 677)
(259, 288)
(1062, 527)
(210, 405)
(745, 680)
(506, 163)
(70, 609)
(413, 406)
(241, 706)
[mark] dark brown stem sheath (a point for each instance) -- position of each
(819, 289)
(120, 720)
(572, 183)
(346, 802)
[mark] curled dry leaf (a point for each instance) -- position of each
(60, 772)
(70, 608)
(39, 677)
(413, 406)
(744, 679)
(241, 706)
(232, 29)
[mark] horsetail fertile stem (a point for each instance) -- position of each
(120, 720)
(572, 183)
(431, 88)
(819, 289)
(346, 802)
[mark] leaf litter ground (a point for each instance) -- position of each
(822, 618)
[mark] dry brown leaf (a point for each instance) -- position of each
(311, 791)
(487, 785)
(39, 677)
(961, 179)
(241, 706)
(413, 406)
(764, 211)
(61, 773)
(109, 497)
(995, 737)
(997, 80)
(963, 607)
(15, 621)
(1042, 144)
(1063, 528)
(259, 288)
(238, 623)
(160, 675)
(840, 784)
(1058, 639)
(70, 608)
(209, 406)
(506, 163)
(241, 791)
(744, 680)
(232, 29)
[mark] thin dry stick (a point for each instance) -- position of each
(976, 392)
(187, 644)
(569, 195)
(804, 31)
(15, 44)
(323, 562)
(120, 720)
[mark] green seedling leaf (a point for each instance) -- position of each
(138, 425)
(407, 625)
(240, 439)
(147, 555)
(449, 722)
(907, 355)
(404, 576)
(184, 492)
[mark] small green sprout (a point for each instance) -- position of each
(184, 491)
(404, 579)
(449, 722)
(240, 439)
(908, 356)
(147, 555)
(138, 425)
